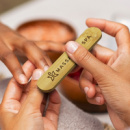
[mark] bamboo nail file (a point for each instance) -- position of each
(63, 65)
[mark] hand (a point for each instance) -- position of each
(11, 41)
(110, 72)
(50, 46)
(22, 107)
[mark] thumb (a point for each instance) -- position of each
(85, 59)
(35, 96)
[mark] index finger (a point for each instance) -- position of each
(34, 54)
(117, 30)
(13, 90)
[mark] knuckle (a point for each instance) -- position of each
(122, 26)
(41, 57)
(27, 45)
(40, 61)
(83, 56)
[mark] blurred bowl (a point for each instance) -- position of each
(47, 30)
(70, 89)
(59, 32)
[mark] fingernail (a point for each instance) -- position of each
(37, 74)
(98, 99)
(42, 64)
(46, 68)
(86, 90)
(23, 79)
(71, 46)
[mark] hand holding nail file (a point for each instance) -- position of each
(63, 65)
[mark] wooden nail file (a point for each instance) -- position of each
(63, 65)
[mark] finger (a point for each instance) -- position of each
(86, 60)
(44, 103)
(102, 53)
(52, 112)
(35, 96)
(50, 46)
(86, 84)
(13, 90)
(28, 69)
(117, 30)
(10, 60)
(34, 54)
(86, 75)
(97, 100)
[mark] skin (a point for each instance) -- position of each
(22, 107)
(106, 74)
(108, 84)
(11, 42)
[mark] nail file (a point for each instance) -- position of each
(64, 65)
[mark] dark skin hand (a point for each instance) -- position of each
(11, 42)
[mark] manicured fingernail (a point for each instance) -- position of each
(46, 68)
(86, 90)
(71, 46)
(23, 79)
(37, 74)
(98, 99)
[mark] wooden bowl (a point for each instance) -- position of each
(70, 89)
(47, 30)
(57, 31)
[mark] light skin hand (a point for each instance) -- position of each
(114, 59)
(109, 70)
(118, 60)
(11, 42)
(22, 108)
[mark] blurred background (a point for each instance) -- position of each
(15, 13)
(5, 5)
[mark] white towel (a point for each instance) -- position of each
(73, 118)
